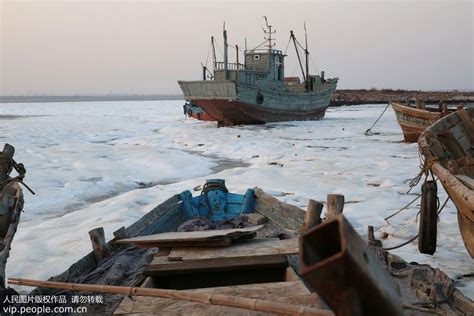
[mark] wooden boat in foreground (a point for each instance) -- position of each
(250, 270)
(414, 119)
(448, 148)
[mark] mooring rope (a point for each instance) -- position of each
(367, 132)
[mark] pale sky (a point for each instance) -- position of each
(108, 47)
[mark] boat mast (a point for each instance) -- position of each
(237, 60)
(269, 33)
(298, 54)
(306, 52)
(214, 61)
(226, 72)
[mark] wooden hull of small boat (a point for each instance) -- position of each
(413, 121)
(448, 146)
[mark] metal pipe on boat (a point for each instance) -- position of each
(347, 275)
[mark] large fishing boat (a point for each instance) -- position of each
(257, 91)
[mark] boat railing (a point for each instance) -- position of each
(263, 51)
(230, 66)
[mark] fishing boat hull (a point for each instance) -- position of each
(232, 103)
(413, 121)
(447, 147)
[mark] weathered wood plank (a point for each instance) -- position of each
(213, 265)
(256, 247)
(196, 238)
(283, 214)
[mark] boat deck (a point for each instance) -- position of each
(256, 268)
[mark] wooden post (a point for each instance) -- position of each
(99, 245)
(444, 108)
(313, 215)
(370, 233)
(335, 204)
(121, 233)
(418, 103)
(460, 106)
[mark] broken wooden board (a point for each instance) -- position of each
(221, 237)
(283, 214)
(250, 248)
(285, 292)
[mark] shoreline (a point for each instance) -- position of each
(340, 97)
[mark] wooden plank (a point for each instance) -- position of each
(214, 265)
(283, 214)
(468, 123)
(286, 292)
(256, 247)
(207, 237)
(468, 181)
(187, 243)
(459, 133)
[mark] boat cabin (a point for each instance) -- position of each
(260, 64)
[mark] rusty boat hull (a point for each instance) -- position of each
(448, 148)
(236, 113)
(414, 121)
(232, 103)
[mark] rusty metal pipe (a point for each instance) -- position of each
(338, 264)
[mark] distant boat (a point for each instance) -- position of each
(414, 119)
(448, 148)
(256, 92)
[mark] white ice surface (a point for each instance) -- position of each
(107, 163)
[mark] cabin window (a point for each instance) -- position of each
(256, 57)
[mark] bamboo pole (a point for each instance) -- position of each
(204, 298)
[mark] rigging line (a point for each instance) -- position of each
(208, 53)
(287, 45)
(403, 244)
(304, 49)
(367, 132)
(312, 62)
(218, 48)
(259, 45)
(403, 208)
